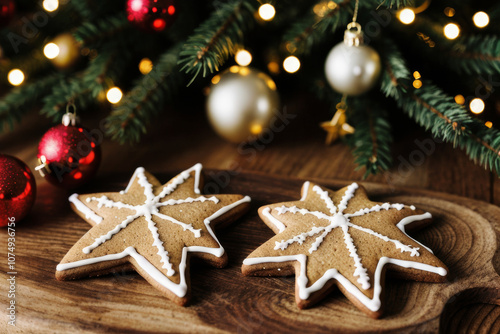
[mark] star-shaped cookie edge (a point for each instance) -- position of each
(179, 293)
(297, 264)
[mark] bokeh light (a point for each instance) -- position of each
(406, 16)
(476, 106)
(50, 5)
(145, 65)
(15, 77)
(267, 12)
(114, 95)
(243, 58)
(481, 19)
(291, 64)
(51, 50)
(451, 30)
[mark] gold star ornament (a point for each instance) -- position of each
(342, 238)
(337, 127)
(153, 227)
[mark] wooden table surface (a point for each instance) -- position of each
(182, 139)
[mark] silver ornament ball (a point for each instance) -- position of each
(352, 70)
(241, 103)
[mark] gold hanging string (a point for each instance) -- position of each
(355, 15)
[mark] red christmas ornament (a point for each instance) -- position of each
(7, 11)
(151, 15)
(69, 156)
(17, 189)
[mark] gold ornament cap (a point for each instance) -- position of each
(353, 36)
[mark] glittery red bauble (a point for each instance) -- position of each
(151, 15)
(69, 156)
(7, 11)
(17, 189)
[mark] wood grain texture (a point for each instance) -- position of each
(464, 236)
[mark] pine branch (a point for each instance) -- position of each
(395, 71)
(108, 29)
(484, 147)
(83, 90)
(216, 39)
(19, 101)
(469, 54)
(431, 108)
(84, 9)
(396, 83)
(391, 4)
(313, 28)
(61, 93)
(476, 55)
(129, 119)
(324, 19)
(372, 138)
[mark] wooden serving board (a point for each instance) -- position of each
(464, 236)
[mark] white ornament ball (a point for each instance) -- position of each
(352, 70)
(241, 103)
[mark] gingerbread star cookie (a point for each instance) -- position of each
(154, 228)
(342, 238)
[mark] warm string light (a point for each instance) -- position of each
(267, 12)
(50, 5)
(320, 9)
(488, 124)
(273, 67)
(406, 16)
(114, 95)
(460, 99)
(476, 105)
(291, 64)
(256, 129)
(481, 19)
(244, 71)
(451, 31)
(145, 66)
(51, 50)
(417, 83)
(215, 79)
(243, 57)
(15, 77)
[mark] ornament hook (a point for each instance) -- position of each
(70, 116)
(353, 35)
(43, 167)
